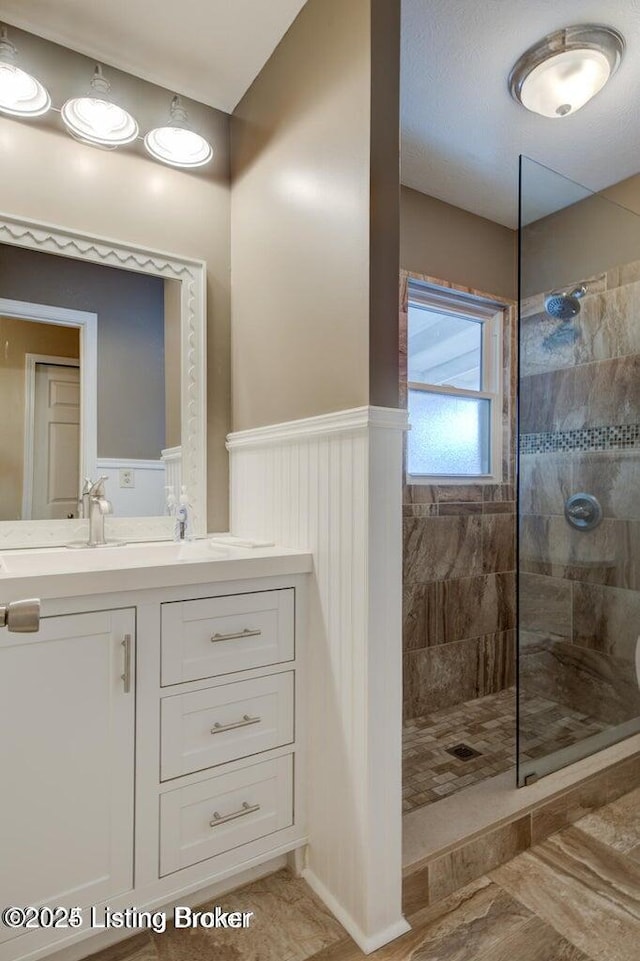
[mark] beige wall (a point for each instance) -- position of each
(452, 244)
(302, 147)
(590, 236)
(18, 338)
(48, 176)
(130, 309)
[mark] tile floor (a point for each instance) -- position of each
(574, 897)
(486, 724)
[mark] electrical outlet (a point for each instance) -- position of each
(127, 478)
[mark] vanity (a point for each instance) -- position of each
(157, 734)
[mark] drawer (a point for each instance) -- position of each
(205, 819)
(205, 728)
(221, 635)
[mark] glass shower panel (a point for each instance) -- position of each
(579, 473)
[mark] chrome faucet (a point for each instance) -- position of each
(98, 507)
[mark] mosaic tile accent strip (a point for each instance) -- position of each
(616, 437)
(487, 724)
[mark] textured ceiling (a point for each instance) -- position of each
(209, 50)
(461, 131)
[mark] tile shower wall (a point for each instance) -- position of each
(458, 569)
(580, 431)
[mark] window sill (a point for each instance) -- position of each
(444, 480)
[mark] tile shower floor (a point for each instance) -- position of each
(487, 725)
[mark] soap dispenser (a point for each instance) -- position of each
(184, 520)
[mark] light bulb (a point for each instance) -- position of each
(95, 119)
(176, 143)
(21, 95)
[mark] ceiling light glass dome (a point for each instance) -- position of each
(561, 73)
(177, 143)
(21, 95)
(96, 119)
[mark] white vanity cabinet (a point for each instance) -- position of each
(67, 762)
(153, 743)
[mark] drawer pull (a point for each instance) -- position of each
(218, 728)
(234, 637)
(223, 818)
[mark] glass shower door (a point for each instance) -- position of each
(579, 473)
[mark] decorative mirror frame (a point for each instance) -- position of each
(47, 238)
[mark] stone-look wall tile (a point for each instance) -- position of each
(471, 606)
(498, 662)
(420, 616)
(498, 493)
(623, 777)
(498, 543)
(613, 477)
(626, 274)
(545, 606)
(568, 808)
(589, 396)
(472, 860)
(499, 507)
(545, 482)
(449, 508)
(604, 326)
(436, 548)
(440, 676)
(610, 554)
(459, 493)
(546, 344)
(594, 684)
(606, 619)
(421, 494)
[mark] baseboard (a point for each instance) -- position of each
(366, 943)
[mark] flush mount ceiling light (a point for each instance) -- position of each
(21, 95)
(96, 119)
(177, 143)
(561, 73)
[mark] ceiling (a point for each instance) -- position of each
(209, 50)
(461, 131)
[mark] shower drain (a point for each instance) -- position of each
(463, 752)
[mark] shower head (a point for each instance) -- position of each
(562, 304)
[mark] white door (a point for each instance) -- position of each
(56, 435)
(67, 763)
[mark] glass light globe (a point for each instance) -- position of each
(565, 82)
(176, 143)
(21, 95)
(99, 122)
(178, 147)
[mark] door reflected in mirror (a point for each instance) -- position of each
(89, 385)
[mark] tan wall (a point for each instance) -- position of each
(130, 309)
(582, 240)
(48, 176)
(446, 242)
(300, 238)
(18, 338)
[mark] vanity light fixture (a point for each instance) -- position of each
(96, 119)
(21, 95)
(177, 143)
(561, 73)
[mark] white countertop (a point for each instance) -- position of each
(61, 572)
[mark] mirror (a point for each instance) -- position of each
(101, 373)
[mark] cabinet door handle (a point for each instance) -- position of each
(233, 637)
(126, 677)
(218, 728)
(223, 818)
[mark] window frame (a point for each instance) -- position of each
(490, 314)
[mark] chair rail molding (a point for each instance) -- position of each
(332, 484)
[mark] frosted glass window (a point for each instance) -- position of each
(443, 349)
(449, 434)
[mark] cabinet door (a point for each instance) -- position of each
(66, 757)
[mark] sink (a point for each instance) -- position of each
(59, 560)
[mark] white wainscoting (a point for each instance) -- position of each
(146, 498)
(333, 485)
(172, 459)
